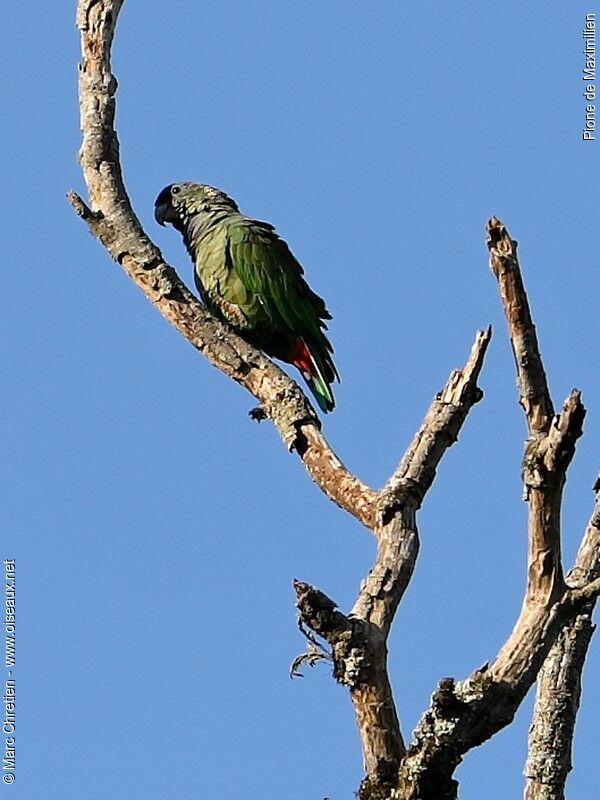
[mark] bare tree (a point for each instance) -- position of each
(550, 638)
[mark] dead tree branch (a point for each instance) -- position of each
(559, 681)
(359, 642)
(554, 615)
(534, 395)
(547, 456)
(390, 514)
(112, 221)
(403, 494)
(464, 714)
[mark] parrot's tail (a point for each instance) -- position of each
(312, 372)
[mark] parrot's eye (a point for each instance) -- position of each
(175, 190)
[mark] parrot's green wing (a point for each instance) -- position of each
(267, 268)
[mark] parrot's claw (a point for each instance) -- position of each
(258, 414)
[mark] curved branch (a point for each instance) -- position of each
(113, 222)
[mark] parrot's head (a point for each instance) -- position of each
(178, 202)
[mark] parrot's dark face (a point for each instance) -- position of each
(178, 202)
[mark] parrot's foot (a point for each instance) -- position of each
(258, 414)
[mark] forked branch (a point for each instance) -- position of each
(554, 615)
(359, 641)
(390, 514)
(464, 714)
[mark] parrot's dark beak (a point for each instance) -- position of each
(160, 213)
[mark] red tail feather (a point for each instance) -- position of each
(301, 358)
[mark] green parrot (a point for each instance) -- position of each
(248, 277)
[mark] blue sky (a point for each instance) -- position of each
(156, 529)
